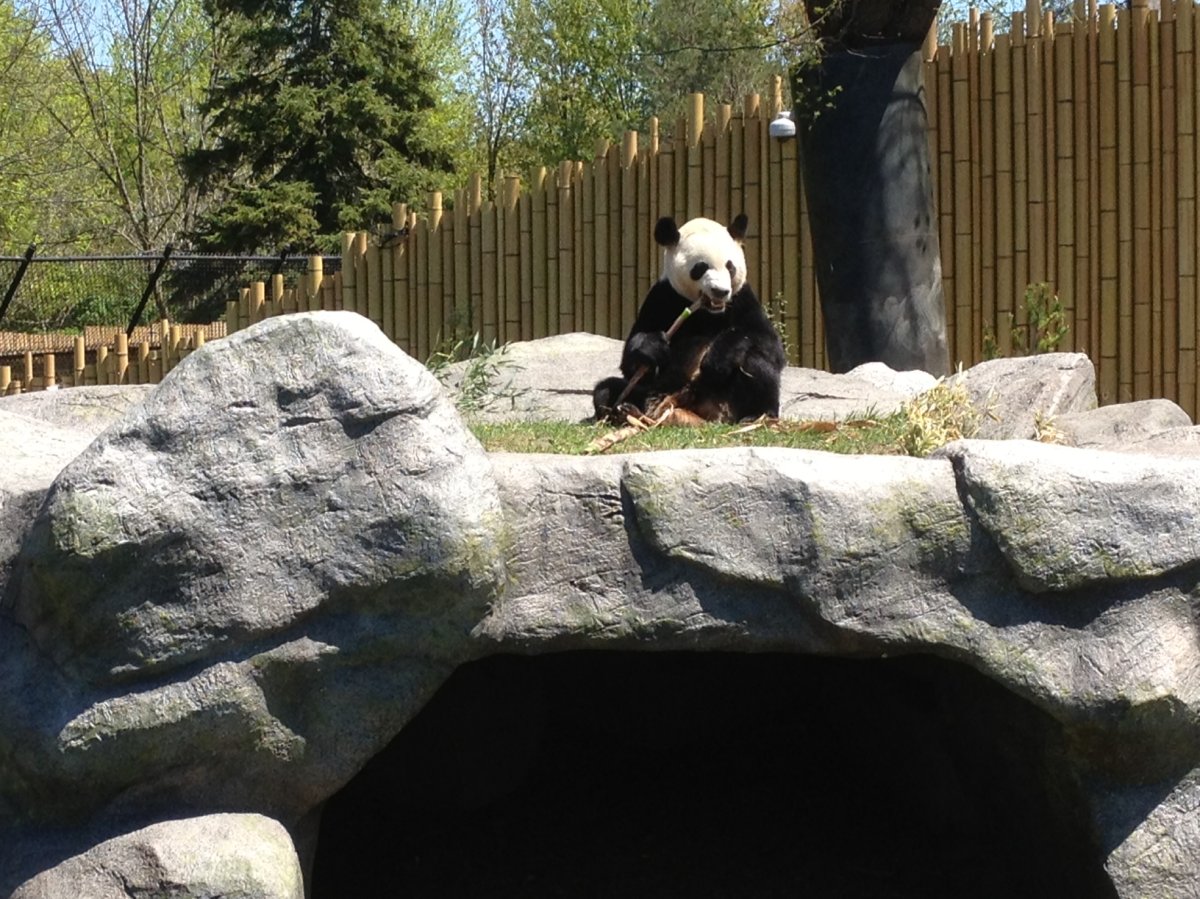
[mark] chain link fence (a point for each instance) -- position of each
(67, 293)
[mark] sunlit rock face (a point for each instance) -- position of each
(244, 588)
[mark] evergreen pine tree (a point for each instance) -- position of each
(320, 124)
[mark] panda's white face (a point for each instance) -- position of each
(705, 260)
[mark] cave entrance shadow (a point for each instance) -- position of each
(598, 774)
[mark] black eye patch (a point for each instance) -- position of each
(731, 267)
(698, 270)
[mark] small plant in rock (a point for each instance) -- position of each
(1045, 325)
(476, 384)
(938, 416)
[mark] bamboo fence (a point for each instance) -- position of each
(102, 356)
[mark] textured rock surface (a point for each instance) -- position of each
(250, 582)
(230, 856)
(1070, 518)
(296, 512)
(1017, 393)
(1122, 424)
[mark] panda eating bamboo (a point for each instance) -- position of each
(723, 361)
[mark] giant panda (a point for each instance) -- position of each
(724, 362)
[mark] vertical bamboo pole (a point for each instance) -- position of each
(174, 347)
(790, 261)
(349, 276)
(387, 288)
(737, 164)
(944, 160)
(121, 372)
(1142, 247)
(440, 331)
(695, 155)
(752, 187)
(512, 271)
(422, 325)
(708, 169)
(660, 202)
(645, 218)
(551, 284)
(1065, 151)
(282, 300)
(584, 276)
(258, 300)
(402, 289)
(567, 249)
(372, 279)
(1186, 207)
(612, 170)
(475, 254)
(536, 239)
(1110, 325)
(628, 293)
(49, 372)
(104, 368)
(721, 149)
(1035, 124)
(771, 234)
(1005, 289)
(525, 260)
(1125, 205)
(1084, 162)
(987, 182)
(80, 362)
(965, 325)
(1168, 179)
(6, 380)
(1050, 124)
(312, 283)
(491, 273)
(975, 174)
(599, 312)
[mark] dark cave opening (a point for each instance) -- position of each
(598, 774)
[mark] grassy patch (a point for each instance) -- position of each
(881, 435)
(930, 420)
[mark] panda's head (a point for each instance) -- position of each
(703, 260)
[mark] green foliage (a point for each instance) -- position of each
(477, 383)
(942, 414)
(325, 105)
(599, 67)
(1044, 328)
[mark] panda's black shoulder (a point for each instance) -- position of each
(746, 303)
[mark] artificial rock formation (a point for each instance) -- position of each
(243, 589)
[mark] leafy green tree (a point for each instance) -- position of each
(133, 76)
(723, 50)
(321, 123)
(583, 57)
(598, 67)
(45, 190)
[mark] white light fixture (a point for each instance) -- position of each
(782, 127)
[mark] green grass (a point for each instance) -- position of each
(932, 419)
(859, 436)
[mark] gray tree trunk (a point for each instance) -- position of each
(864, 158)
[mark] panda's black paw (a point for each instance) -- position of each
(648, 349)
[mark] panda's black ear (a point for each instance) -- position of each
(666, 232)
(737, 228)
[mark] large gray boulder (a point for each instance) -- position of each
(249, 583)
(1017, 395)
(230, 856)
(295, 512)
